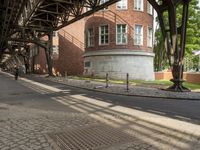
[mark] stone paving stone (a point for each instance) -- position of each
(22, 132)
(27, 128)
(29, 131)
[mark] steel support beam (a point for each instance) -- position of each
(172, 36)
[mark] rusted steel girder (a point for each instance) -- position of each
(10, 13)
(43, 14)
(174, 37)
(48, 14)
(59, 13)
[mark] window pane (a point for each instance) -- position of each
(87, 64)
(124, 39)
(90, 37)
(121, 34)
(118, 38)
(122, 4)
(106, 39)
(138, 4)
(149, 38)
(124, 29)
(103, 34)
(102, 31)
(138, 37)
(118, 28)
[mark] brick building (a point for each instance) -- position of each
(68, 50)
(118, 40)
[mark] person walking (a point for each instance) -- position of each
(16, 72)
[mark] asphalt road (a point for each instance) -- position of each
(29, 95)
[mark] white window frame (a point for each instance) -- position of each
(137, 4)
(104, 34)
(90, 37)
(122, 5)
(149, 8)
(122, 34)
(149, 37)
(102, 2)
(136, 36)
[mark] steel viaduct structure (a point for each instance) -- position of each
(26, 21)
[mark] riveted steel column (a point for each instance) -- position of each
(178, 66)
(49, 52)
(172, 35)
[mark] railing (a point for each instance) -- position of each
(71, 39)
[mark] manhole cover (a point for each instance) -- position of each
(89, 138)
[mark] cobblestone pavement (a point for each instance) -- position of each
(94, 124)
(28, 129)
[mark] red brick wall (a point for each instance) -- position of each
(40, 62)
(71, 49)
(70, 59)
(192, 77)
(112, 16)
(189, 77)
(163, 75)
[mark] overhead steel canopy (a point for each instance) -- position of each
(25, 20)
(42, 15)
(58, 13)
(10, 13)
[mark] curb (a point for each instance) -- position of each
(123, 94)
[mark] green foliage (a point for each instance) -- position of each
(160, 61)
(192, 39)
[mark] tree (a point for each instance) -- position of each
(192, 40)
(160, 61)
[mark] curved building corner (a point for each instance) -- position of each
(139, 65)
(119, 41)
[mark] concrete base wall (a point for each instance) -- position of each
(117, 63)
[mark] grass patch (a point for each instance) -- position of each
(192, 86)
(155, 83)
(166, 83)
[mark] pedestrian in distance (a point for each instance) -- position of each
(16, 72)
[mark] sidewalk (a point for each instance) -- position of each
(121, 89)
(88, 122)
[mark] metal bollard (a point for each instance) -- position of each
(127, 82)
(65, 74)
(107, 80)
